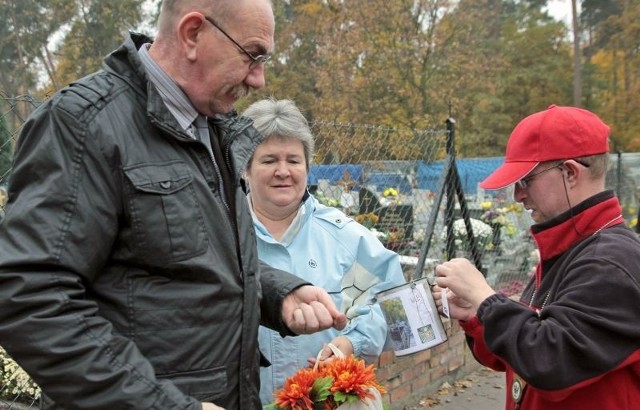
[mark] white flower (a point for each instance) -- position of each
(418, 235)
(14, 379)
(480, 229)
(380, 235)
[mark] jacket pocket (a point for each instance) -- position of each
(165, 214)
(203, 385)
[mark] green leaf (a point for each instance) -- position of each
(341, 397)
(321, 389)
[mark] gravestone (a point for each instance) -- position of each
(391, 218)
(396, 216)
(368, 201)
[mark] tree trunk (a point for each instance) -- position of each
(577, 65)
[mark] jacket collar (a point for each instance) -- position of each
(556, 236)
(305, 211)
(234, 129)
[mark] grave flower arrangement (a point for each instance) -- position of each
(497, 216)
(367, 220)
(344, 382)
(482, 232)
(390, 197)
(15, 382)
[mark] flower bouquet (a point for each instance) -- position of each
(368, 220)
(15, 382)
(342, 383)
(481, 230)
(390, 193)
(390, 197)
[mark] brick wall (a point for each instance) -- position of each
(412, 377)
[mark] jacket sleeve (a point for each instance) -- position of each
(375, 269)
(276, 284)
(591, 322)
(474, 332)
(60, 223)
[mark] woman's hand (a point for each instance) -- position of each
(341, 342)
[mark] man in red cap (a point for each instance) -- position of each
(573, 340)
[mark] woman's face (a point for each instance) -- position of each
(277, 176)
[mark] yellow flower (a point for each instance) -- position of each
(486, 205)
(515, 207)
(368, 220)
(389, 192)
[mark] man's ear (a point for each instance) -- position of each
(571, 170)
(190, 28)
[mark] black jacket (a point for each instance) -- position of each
(125, 283)
(574, 337)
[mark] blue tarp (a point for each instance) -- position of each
(382, 180)
(471, 171)
(334, 173)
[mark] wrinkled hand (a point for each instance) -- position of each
(341, 342)
(309, 309)
(465, 282)
(210, 406)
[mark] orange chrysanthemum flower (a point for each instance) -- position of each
(335, 382)
(351, 376)
(296, 393)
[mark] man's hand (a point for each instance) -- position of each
(467, 286)
(210, 406)
(309, 309)
(459, 308)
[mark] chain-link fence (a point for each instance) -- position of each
(405, 185)
(406, 202)
(17, 390)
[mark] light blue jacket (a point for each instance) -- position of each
(330, 250)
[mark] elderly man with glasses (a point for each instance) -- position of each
(129, 273)
(573, 339)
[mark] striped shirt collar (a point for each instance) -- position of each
(172, 95)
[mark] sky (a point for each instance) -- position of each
(561, 10)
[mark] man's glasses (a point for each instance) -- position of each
(524, 182)
(256, 60)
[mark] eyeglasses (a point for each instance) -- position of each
(256, 60)
(524, 182)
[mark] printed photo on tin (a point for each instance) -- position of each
(412, 317)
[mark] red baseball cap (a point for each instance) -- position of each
(553, 134)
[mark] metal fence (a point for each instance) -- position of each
(405, 185)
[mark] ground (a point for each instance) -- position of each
(480, 390)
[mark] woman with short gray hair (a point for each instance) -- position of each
(320, 244)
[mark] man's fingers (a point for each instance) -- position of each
(335, 318)
(313, 310)
(308, 318)
(313, 317)
(442, 282)
(340, 321)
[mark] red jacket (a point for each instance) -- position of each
(582, 350)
